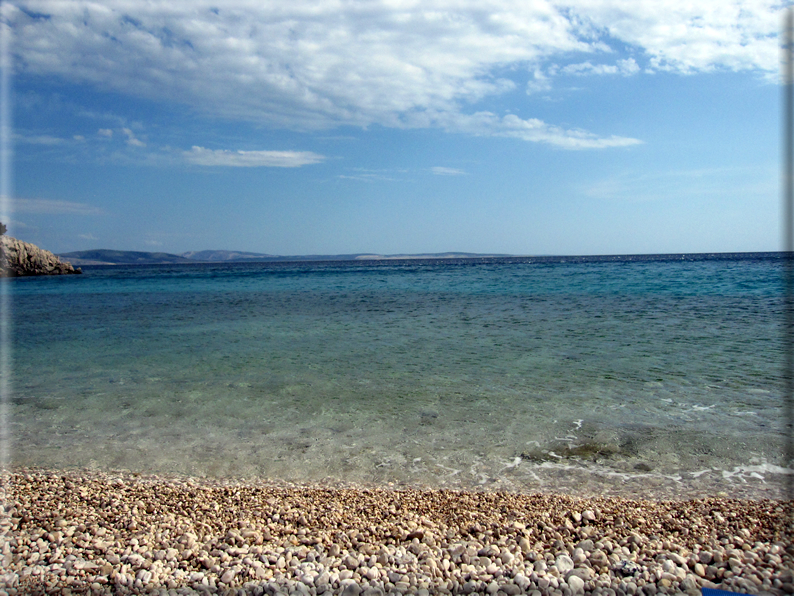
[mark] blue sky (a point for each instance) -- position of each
(396, 126)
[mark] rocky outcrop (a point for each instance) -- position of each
(19, 259)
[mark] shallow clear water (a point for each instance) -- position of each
(636, 375)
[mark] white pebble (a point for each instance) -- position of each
(576, 584)
(564, 563)
(228, 576)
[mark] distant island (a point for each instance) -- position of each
(131, 257)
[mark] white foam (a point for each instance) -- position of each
(513, 464)
(755, 471)
(551, 464)
(607, 472)
(452, 471)
(699, 474)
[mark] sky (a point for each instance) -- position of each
(527, 127)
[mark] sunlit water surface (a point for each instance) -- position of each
(657, 377)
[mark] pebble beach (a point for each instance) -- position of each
(88, 532)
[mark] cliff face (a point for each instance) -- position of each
(18, 259)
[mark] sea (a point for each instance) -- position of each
(653, 376)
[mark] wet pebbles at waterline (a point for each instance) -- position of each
(115, 533)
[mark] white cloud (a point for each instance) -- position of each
(105, 132)
(377, 175)
(442, 171)
(532, 129)
(131, 139)
(38, 139)
(303, 64)
(309, 64)
(628, 67)
(624, 67)
(367, 177)
(251, 159)
(685, 36)
(53, 207)
(87, 237)
(539, 84)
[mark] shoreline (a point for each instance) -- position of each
(84, 531)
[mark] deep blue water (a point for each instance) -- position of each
(656, 374)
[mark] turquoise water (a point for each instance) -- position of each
(654, 376)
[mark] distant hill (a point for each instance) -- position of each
(226, 255)
(129, 257)
(120, 257)
(433, 255)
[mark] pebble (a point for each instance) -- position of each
(576, 584)
(120, 533)
(563, 563)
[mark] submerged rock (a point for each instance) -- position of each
(20, 259)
